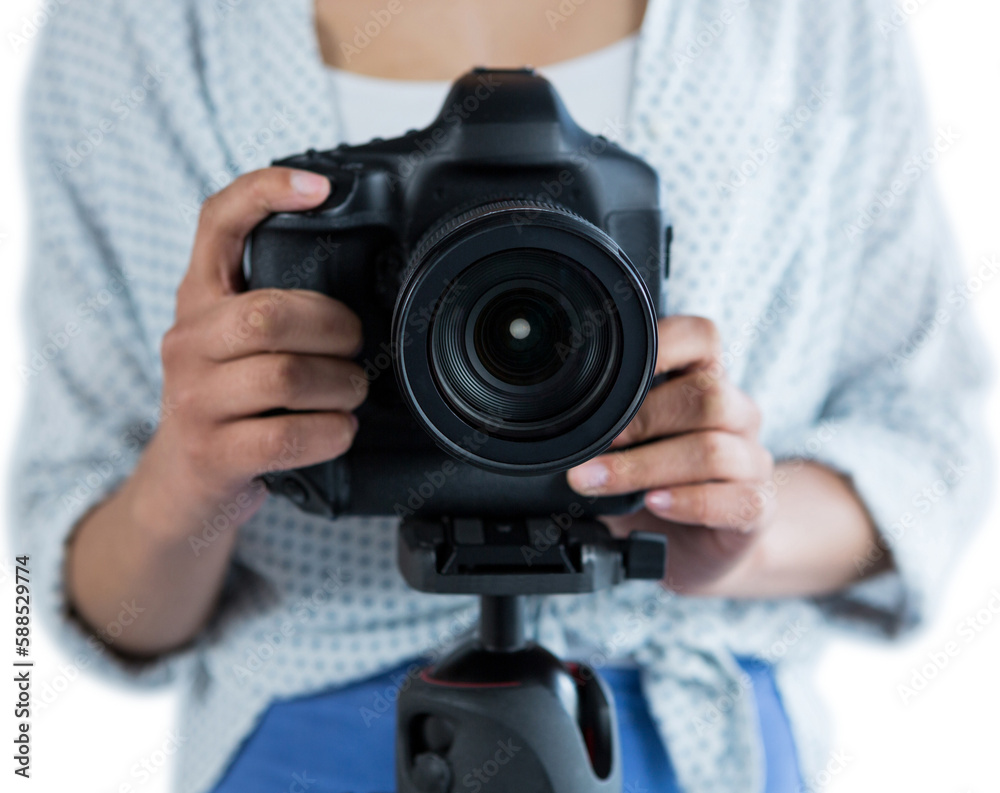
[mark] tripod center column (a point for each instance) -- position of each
(501, 622)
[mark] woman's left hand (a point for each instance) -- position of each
(699, 461)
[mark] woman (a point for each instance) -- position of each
(810, 325)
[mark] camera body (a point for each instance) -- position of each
(508, 269)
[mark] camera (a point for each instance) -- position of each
(508, 269)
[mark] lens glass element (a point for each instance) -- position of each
(519, 334)
(526, 344)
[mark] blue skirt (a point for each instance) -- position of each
(336, 742)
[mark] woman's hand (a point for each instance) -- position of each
(738, 526)
(693, 447)
(233, 356)
(163, 540)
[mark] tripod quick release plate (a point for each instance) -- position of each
(524, 556)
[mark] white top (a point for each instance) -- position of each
(594, 88)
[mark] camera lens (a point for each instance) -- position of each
(526, 338)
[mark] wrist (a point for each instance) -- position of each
(819, 532)
(744, 579)
(171, 505)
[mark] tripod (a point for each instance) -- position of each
(502, 714)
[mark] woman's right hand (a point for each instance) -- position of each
(233, 355)
(162, 542)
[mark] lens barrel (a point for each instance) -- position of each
(526, 339)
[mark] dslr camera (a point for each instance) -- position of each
(508, 269)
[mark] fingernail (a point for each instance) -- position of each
(589, 476)
(309, 183)
(659, 500)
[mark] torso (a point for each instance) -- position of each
(766, 259)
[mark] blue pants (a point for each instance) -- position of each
(322, 743)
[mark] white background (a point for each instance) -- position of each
(95, 737)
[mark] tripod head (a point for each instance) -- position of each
(500, 703)
(526, 556)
